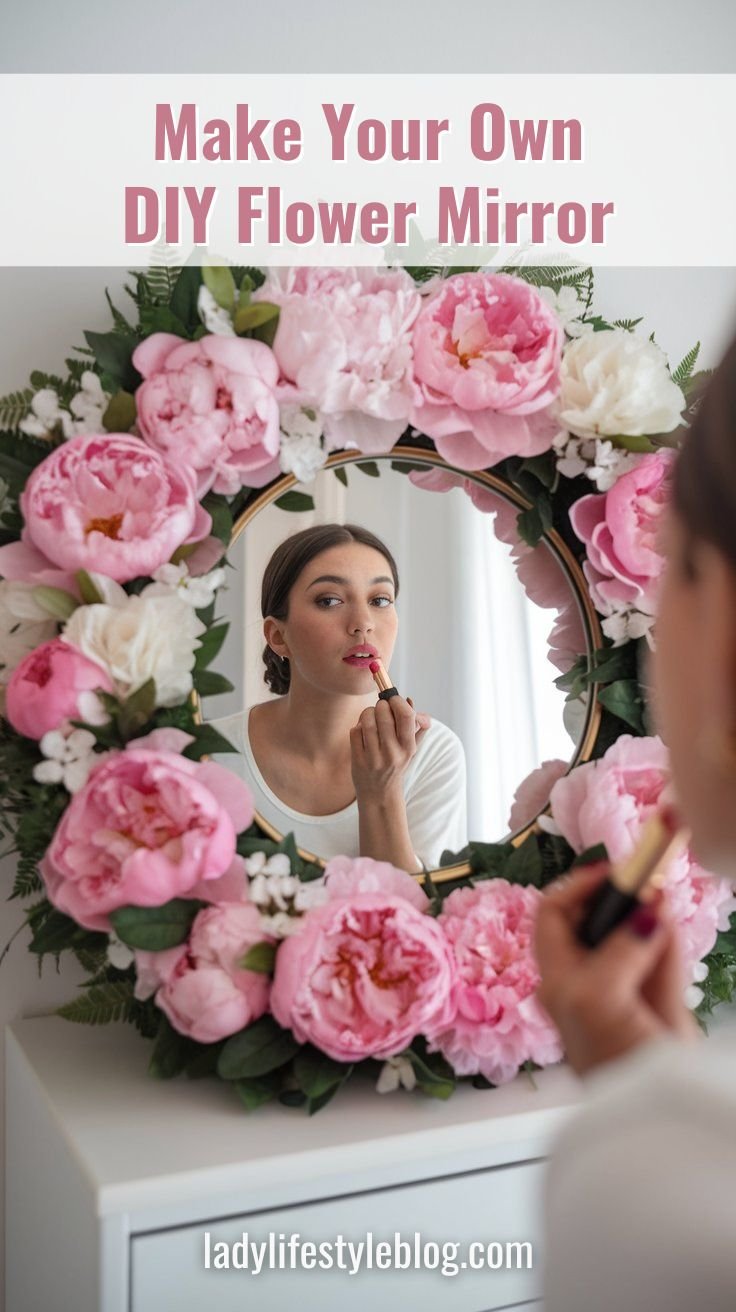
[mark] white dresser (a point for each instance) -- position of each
(115, 1181)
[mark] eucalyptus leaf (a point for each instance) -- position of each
(295, 501)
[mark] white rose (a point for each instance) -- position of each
(24, 625)
(614, 382)
(142, 638)
(214, 317)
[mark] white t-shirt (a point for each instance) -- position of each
(434, 789)
(641, 1187)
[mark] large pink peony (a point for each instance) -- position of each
(112, 505)
(211, 405)
(608, 801)
(367, 971)
(487, 354)
(619, 529)
(200, 985)
(148, 826)
(498, 1023)
(344, 347)
(44, 689)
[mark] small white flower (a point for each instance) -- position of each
(280, 897)
(395, 1072)
(118, 953)
(89, 404)
(311, 894)
(302, 452)
(280, 925)
(69, 760)
(625, 625)
(197, 591)
(568, 305)
(45, 413)
(214, 317)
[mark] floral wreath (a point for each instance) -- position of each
(139, 854)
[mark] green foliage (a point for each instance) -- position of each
(683, 373)
(261, 958)
(14, 407)
(260, 1048)
(101, 1004)
(295, 502)
(154, 929)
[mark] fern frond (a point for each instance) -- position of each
(628, 324)
(14, 407)
(685, 368)
(101, 1004)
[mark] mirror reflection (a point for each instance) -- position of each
(421, 569)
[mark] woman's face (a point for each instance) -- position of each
(695, 692)
(341, 615)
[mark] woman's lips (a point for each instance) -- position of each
(363, 661)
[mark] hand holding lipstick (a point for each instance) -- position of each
(625, 992)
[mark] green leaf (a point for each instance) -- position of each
(91, 595)
(160, 319)
(206, 742)
(120, 414)
(260, 1048)
(102, 1004)
(253, 1093)
(113, 353)
(57, 932)
(219, 280)
(154, 929)
(542, 468)
(14, 407)
(210, 684)
(261, 958)
(368, 467)
(171, 1052)
(222, 521)
(624, 699)
(248, 317)
(591, 856)
(341, 473)
(295, 501)
(211, 642)
(55, 601)
(137, 709)
(315, 1073)
(316, 1104)
(524, 866)
(434, 1078)
(184, 297)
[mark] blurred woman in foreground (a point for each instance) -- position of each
(641, 1191)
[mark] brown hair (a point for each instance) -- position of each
(704, 486)
(283, 570)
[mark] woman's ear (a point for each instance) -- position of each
(274, 635)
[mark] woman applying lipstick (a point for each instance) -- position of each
(347, 774)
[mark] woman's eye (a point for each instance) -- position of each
(382, 601)
(326, 603)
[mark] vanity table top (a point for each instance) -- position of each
(145, 1143)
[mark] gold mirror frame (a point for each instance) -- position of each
(567, 560)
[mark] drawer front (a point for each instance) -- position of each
(498, 1208)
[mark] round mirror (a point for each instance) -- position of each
(485, 625)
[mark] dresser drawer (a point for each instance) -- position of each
(498, 1207)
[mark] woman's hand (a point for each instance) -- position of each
(382, 744)
(610, 999)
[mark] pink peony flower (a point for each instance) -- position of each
(44, 689)
(146, 827)
(200, 985)
(608, 801)
(21, 562)
(619, 529)
(110, 504)
(532, 795)
(344, 347)
(366, 972)
(487, 354)
(498, 1023)
(346, 875)
(211, 405)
